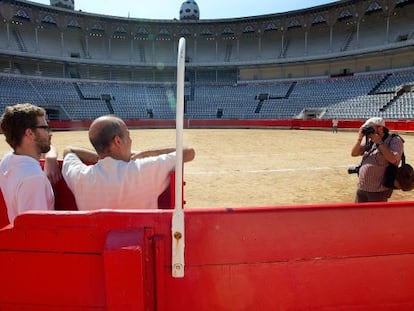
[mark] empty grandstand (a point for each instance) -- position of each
(347, 59)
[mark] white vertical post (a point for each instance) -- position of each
(177, 226)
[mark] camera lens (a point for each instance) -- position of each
(368, 130)
(353, 169)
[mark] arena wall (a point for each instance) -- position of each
(332, 257)
(399, 125)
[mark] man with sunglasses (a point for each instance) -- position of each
(25, 186)
(378, 150)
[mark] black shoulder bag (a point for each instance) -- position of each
(401, 177)
(404, 178)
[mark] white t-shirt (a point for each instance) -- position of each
(24, 185)
(116, 184)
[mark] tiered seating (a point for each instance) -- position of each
(14, 90)
(162, 101)
(346, 97)
(396, 80)
(128, 100)
(373, 105)
(363, 106)
(403, 108)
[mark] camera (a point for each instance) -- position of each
(367, 130)
(354, 169)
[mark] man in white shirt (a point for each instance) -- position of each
(23, 183)
(119, 179)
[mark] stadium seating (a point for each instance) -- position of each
(358, 96)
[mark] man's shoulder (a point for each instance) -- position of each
(395, 137)
(6, 159)
(392, 137)
(395, 142)
(22, 163)
(71, 162)
(7, 155)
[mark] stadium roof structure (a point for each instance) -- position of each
(356, 35)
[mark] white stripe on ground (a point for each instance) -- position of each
(280, 170)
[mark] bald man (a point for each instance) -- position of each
(118, 179)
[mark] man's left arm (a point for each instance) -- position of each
(150, 153)
(188, 153)
(85, 155)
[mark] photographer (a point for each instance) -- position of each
(378, 150)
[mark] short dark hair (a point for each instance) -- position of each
(16, 119)
(102, 139)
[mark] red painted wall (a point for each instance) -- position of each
(396, 125)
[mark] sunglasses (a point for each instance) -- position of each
(45, 127)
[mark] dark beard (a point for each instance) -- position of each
(44, 148)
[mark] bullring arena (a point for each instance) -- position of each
(257, 167)
(269, 221)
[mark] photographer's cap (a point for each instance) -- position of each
(374, 121)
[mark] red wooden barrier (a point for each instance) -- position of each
(395, 125)
(343, 257)
(4, 220)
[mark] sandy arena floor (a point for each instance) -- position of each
(257, 167)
